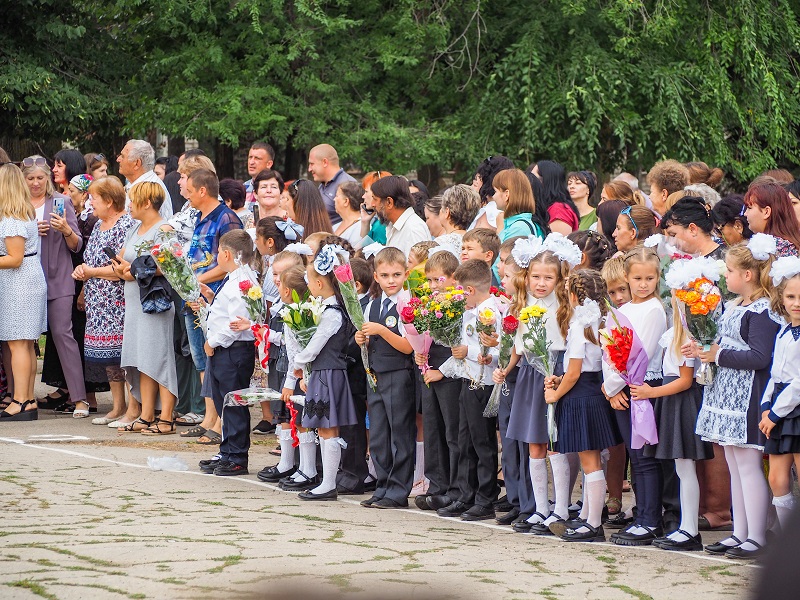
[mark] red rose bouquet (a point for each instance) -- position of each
(510, 324)
(415, 318)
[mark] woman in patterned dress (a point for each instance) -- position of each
(104, 294)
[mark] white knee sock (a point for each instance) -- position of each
(595, 486)
(756, 494)
(538, 468)
(585, 506)
(308, 456)
(331, 455)
(560, 464)
(690, 498)
(287, 450)
(419, 463)
(784, 505)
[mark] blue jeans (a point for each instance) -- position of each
(196, 341)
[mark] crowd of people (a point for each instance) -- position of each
(75, 265)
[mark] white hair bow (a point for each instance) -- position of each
(301, 249)
(761, 245)
(565, 249)
(785, 267)
(525, 250)
(372, 249)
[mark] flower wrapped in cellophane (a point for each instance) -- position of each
(415, 319)
(510, 325)
(486, 324)
(699, 298)
(302, 317)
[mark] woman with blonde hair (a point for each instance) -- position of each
(23, 291)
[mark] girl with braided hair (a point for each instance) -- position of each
(595, 247)
(585, 420)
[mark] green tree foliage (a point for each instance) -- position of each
(397, 85)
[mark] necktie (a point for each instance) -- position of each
(385, 309)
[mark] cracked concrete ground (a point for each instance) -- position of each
(88, 519)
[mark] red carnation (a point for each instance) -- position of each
(245, 285)
(407, 314)
(510, 324)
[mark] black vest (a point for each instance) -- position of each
(276, 324)
(383, 358)
(334, 353)
(438, 354)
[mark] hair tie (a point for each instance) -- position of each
(291, 231)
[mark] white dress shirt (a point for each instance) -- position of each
(229, 305)
(166, 208)
(577, 346)
(329, 324)
(471, 338)
(407, 231)
(785, 369)
(649, 321)
(671, 367)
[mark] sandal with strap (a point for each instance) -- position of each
(155, 429)
(132, 427)
(198, 431)
(23, 414)
(81, 413)
(5, 402)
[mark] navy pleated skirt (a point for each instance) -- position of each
(676, 418)
(584, 417)
(785, 436)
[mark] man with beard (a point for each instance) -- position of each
(394, 207)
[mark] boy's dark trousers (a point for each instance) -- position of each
(516, 474)
(477, 442)
(440, 424)
(353, 471)
(231, 370)
(392, 433)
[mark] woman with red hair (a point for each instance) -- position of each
(769, 210)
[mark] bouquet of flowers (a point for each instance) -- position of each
(302, 317)
(700, 302)
(510, 325)
(416, 284)
(415, 318)
(623, 351)
(536, 349)
(446, 312)
(257, 311)
(487, 319)
(347, 285)
(170, 257)
(252, 396)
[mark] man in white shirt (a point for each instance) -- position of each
(395, 209)
(136, 162)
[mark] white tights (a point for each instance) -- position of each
(749, 495)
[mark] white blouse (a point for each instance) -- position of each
(557, 342)
(578, 346)
(785, 369)
(671, 366)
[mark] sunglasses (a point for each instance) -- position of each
(295, 185)
(34, 161)
(378, 174)
(627, 212)
(98, 158)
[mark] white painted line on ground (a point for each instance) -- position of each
(422, 513)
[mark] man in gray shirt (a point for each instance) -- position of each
(323, 165)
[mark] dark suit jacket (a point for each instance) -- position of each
(56, 256)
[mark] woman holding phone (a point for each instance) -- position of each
(60, 239)
(104, 293)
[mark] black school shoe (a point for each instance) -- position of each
(306, 483)
(229, 469)
(421, 502)
(388, 503)
(264, 428)
(272, 475)
(437, 502)
(720, 548)
(509, 517)
(523, 526)
(588, 534)
(693, 544)
(740, 553)
(208, 466)
(502, 504)
(479, 513)
(618, 521)
(325, 496)
(626, 538)
(454, 509)
(369, 502)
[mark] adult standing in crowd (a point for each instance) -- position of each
(581, 186)
(268, 185)
(67, 164)
(260, 157)
(96, 165)
(514, 196)
(307, 208)
(147, 353)
(371, 225)
(233, 194)
(689, 225)
(136, 163)
(60, 239)
(165, 165)
(394, 207)
(617, 189)
(665, 178)
(323, 165)
(562, 212)
(23, 291)
(459, 206)
(214, 220)
(348, 207)
(769, 210)
(103, 293)
(482, 181)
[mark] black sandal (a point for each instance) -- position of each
(155, 429)
(23, 414)
(130, 427)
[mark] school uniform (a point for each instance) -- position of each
(232, 364)
(278, 363)
(353, 470)
(514, 459)
(440, 425)
(477, 439)
(782, 396)
(392, 407)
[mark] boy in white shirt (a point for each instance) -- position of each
(231, 352)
